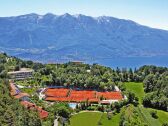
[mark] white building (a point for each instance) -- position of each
(23, 73)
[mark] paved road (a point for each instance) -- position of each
(56, 122)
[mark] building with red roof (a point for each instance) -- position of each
(16, 93)
(42, 113)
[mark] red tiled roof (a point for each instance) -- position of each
(13, 89)
(43, 114)
(29, 105)
(20, 95)
(17, 94)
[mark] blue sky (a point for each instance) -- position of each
(152, 13)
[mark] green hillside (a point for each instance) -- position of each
(136, 88)
(144, 113)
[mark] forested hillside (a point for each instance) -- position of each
(12, 113)
(156, 87)
(95, 77)
(82, 76)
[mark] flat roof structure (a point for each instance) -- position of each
(23, 73)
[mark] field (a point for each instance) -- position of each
(136, 88)
(92, 119)
(85, 119)
(113, 122)
(145, 115)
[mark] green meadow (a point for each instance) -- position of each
(92, 119)
(136, 88)
(85, 119)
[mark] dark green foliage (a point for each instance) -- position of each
(154, 114)
(132, 98)
(130, 117)
(60, 109)
(117, 106)
(165, 124)
(156, 86)
(12, 113)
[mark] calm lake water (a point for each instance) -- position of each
(132, 62)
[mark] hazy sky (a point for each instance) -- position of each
(152, 13)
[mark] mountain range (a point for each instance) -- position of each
(52, 38)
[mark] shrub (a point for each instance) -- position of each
(165, 124)
(77, 110)
(90, 108)
(109, 116)
(99, 123)
(154, 114)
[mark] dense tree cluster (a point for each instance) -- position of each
(83, 76)
(156, 87)
(61, 111)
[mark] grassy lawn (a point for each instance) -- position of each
(85, 119)
(29, 90)
(145, 115)
(136, 88)
(113, 122)
(92, 118)
(162, 116)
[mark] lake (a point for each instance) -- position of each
(132, 62)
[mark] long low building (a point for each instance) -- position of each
(16, 93)
(42, 113)
(23, 73)
(25, 101)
